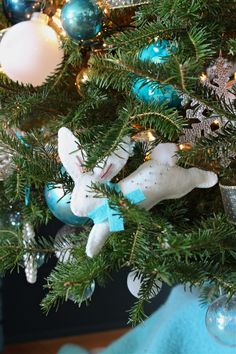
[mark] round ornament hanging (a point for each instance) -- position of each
(20, 10)
(134, 283)
(86, 295)
(62, 246)
(221, 320)
(157, 52)
(59, 204)
(150, 91)
(81, 19)
(30, 51)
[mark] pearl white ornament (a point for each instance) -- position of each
(134, 283)
(31, 262)
(30, 51)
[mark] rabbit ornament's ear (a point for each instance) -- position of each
(115, 162)
(70, 153)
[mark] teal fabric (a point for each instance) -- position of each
(178, 327)
(103, 212)
(72, 349)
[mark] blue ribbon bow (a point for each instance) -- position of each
(105, 212)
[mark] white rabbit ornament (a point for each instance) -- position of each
(155, 180)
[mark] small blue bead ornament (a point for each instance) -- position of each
(148, 91)
(157, 52)
(81, 19)
(59, 205)
(20, 10)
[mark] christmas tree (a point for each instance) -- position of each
(143, 98)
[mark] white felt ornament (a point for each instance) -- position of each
(134, 283)
(158, 179)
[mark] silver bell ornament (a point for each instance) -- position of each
(31, 261)
(221, 320)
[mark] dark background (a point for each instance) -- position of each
(24, 320)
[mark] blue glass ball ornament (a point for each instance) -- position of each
(20, 10)
(39, 258)
(221, 320)
(157, 52)
(81, 19)
(147, 91)
(59, 205)
(87, 294)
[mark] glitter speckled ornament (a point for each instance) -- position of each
(59, 205)
(221, 320)
(228, 194)
(20, 10)
(81, 19)
(134, 282)
(120, 4)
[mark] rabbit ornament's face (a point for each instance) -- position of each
(72, 156)
(83, 199)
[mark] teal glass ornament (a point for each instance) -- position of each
(86, 295)
(221, 320)
(157, 52)
(148, 91)
(20, 10)
(40, 259)
(59, 205)
(81, 19)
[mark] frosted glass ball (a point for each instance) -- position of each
(30, 51)
(63, 252)
(86, 295)
(134, 283)
(221, 320)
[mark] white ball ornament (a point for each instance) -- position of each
(134, 283)
(30, 51)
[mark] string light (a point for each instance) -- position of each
(203, 77)
(56, 23)
(185, 147)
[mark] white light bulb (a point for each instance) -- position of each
(30, 51)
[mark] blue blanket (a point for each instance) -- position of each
(178, 327)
